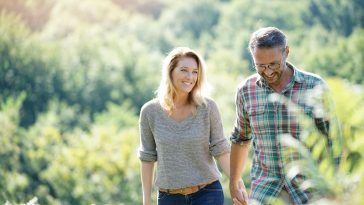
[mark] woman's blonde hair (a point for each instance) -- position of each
(166, 91)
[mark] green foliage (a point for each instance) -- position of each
(9, 117)
(98, 71)
(351, 117)
(73, 167)
(96, 167)
(336, 15)
(122, 116)
(24, 67)
(345, 59)
(191, 18)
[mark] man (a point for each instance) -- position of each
(263, 120)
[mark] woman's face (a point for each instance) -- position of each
(184, 75)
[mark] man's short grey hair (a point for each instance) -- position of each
(268, 37)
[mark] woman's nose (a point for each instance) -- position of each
(189, 75)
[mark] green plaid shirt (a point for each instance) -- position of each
(262, 121)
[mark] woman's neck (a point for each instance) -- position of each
(180, 101)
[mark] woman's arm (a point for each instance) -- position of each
(224, 162)
(146, 170)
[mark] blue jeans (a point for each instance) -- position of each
(212, 194)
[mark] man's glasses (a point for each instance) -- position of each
(272, 66)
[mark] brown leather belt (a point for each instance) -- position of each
(184, 191)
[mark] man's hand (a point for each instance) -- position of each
(238, 193)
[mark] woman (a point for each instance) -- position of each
(181, 129)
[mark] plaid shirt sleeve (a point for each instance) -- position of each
(241, 131)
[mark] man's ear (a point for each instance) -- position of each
(286, 51)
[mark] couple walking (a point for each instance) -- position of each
(181, 129)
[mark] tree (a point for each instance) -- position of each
(345, 59)
(25, 66)
(193, 18)
(336, 15)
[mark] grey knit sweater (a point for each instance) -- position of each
(184, 150)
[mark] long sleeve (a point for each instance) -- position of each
(147, 149)
(241, 131)
(218, 143)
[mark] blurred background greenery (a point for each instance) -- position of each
(74, 74)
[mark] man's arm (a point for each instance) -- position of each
(238, 159)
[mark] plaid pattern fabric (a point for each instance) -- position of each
(261, 119)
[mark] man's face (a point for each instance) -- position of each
(270, 63)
